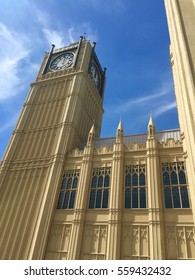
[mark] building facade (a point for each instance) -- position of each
(68, 194)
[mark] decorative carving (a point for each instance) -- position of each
(181, 235)
(136, 234)
(144, 233)
(94, 245)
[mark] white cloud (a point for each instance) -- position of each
(13, 52)
(158, 103)
(164, 108)
(148, 100)
(53, 37)
(70, 34)
(84, 29)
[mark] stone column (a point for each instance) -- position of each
(181, 18)
(81, 199)
(156, 234)
(115, 205)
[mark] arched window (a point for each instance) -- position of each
(176, 198)
(184, 197)
(143, 198)
(128, 198)
(100, 182)
(69, 183)
(67, 194)
(182, 178)
(135, 186)
(135, 180)
(166, 178)
(135, 198)
(174, 180)
(99, 193)
(167, 197)
(94, 182)
(92, 199)
(142, 179)
(175, 187)
(107, 181)
(128, 180)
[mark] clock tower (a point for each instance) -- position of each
(61, 107)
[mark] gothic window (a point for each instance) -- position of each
(135, 186)
(175, 186)
(99, 191)
(68, 190)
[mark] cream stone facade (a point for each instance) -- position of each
(65, 193)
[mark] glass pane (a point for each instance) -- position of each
(72, 199)
(69, 184)
(174, 180)
(142, 181)
(135, 180)
(75, 183)
(60, 200)
(176, 199)
(166, 179)
(135, 198)
(182, 178)
(100, 182)
(128, 180)
(167, 197)
(92, 199)
(107, 181)
(105, 199)
(143, 198)
(66, 199)
(99, 199)
(63, 186)
(184, 197)
(128, 198)
(94, 182)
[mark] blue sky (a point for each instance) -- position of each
(132, 43)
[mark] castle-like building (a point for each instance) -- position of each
(65, 193)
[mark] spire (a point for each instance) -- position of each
(91, 135)
(120, 126)
(151, 122)
(151, 128)
(119, 133)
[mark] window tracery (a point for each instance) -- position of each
(175, 185)
(99, 191)
(68, 190)
(135, 186)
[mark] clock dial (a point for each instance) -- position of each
(94, 75)
(62, 61)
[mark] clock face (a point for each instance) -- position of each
(62, 61)
(93, 71)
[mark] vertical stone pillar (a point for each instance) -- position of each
(116, 191)
(181, 18)
(156, 234)
(81, 199)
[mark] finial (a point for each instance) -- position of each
(151, 128)
(91, 135)
(94, 44)
(151, 122)
(119, 133)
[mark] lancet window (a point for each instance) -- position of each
(175, 185)
(68, 190)
(99, 190)
(135, 186)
